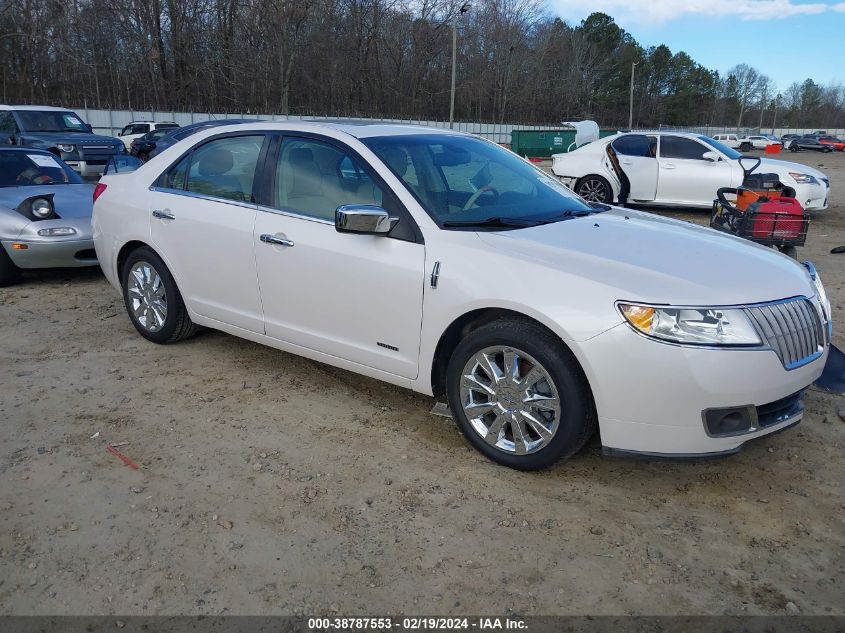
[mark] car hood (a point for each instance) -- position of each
(71, 138)
(70, 201)
(644, 257)
(767, 163)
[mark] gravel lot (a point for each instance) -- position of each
(273, 484)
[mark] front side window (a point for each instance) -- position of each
(315, 178)
(225, 167)
(462, 180)
(681, 147)
(50, 121)
(7, 124)
(140, 128)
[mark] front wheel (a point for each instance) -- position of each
(594, 189)
(152, 299)
(9, 273)
(745, 147)
(519, 396)
(794, 148)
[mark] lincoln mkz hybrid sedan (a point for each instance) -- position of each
(445, 264)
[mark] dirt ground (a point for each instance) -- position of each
(273, 484)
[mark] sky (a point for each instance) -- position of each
(788, 40)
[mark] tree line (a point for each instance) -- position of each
(388, 58)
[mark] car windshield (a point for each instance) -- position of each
(463, 181)
(50, 121)
(727, 151)
(23, 169)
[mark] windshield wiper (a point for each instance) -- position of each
(495, 221)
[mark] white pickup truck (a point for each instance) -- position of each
(744, 143)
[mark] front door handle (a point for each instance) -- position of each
(163, 215)
(272, 239)
(668, 166)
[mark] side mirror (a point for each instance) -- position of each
(713, 157)
(366, 219)
(121, 164)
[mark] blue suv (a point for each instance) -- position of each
(61, 132)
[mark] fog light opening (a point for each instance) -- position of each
(729, 421)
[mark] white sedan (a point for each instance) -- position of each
(442, 263)
(676, 169)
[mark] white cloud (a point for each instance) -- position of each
(657, 12)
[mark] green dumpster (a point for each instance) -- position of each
(544, 143)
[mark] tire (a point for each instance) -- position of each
(594, 188)
(550, 370)
(789, 250)
(159, 316)
(794, 147)
(9, 273)
(745, 147)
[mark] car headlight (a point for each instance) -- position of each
(803, 179)
(692, 326)
(67, 149)
(41, 208)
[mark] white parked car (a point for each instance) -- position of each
(755, 141)
(137, 129)
(442, 263)
(675, 169)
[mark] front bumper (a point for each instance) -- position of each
(36, 251)
(88, 168)
(651, 397)
(813, 197)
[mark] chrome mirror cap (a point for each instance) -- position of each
(367, 219)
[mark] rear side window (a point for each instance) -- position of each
(680, 147)
(225, 168)
(636, 145)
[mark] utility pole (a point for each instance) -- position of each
(631, 106)
(464, 8)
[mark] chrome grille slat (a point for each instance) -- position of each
(793, 329)
(800, 330)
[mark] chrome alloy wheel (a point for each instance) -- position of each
(510, 400)
(147, 297)
(593, 190)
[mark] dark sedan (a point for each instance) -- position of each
(142, 146)
(185, 131)
(808, 143)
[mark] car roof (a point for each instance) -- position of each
(356, 128)
(28, 150)
(37, 108)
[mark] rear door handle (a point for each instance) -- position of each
(272, 239)
(668, 166)
(163, 215)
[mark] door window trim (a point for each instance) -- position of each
(271, 173)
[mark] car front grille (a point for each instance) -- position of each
(792, 328)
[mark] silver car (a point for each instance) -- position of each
(45, 214)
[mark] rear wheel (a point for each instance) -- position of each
(519, 396)
(594, 188)
(9, 273)
(745, 147)
(152, 299)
